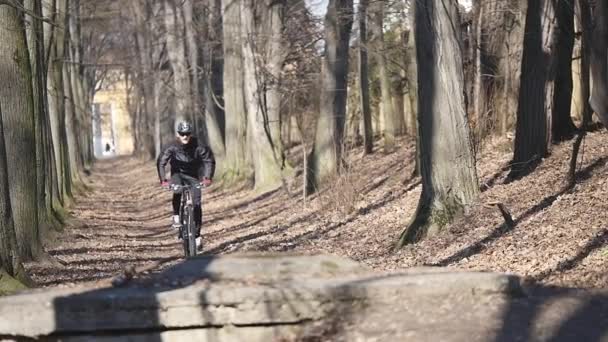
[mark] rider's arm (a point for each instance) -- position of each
(207, 168)
(162, 161)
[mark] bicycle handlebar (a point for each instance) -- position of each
(178, 188)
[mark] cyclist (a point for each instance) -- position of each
(191, 164)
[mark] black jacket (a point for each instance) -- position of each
(191, 159)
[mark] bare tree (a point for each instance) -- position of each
(262, 97)
(9, 257)
(327, 151)
(19, 127)
(599, 61)
(533, 130)
(562, 127)
(211, 55)
(586, 25)
(497, 45)
(237, 163)
(176, 49)
(389, 130)
(449, 178)
(366, 111)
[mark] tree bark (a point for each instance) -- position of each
(210, 44)
(377, 42)
(366, 112)
(57, 103)
(8, 239)
(449, 178)
(274, 54)
(599, 61)
(71, 126)
(267, 170)
(585, 87)
(498, 40)
(176, 50)
(539, 62)
(562, 126)
(237, 166)
(16, 99)
(35, 42)
(148, 143)
(327, 151)
(193, 66)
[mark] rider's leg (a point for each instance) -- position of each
(177, 197)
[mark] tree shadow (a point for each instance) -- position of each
(583, 321)
(291, 242)
(490, 182)
(505, 228)
(194, 300)
(184, 302)
(597, 242)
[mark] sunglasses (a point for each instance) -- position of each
(184, 134)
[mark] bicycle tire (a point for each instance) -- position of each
(191, 235)
(184, 233)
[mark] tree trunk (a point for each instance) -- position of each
(57, 103)
(412, 92)
(585, 87)
(599, 61)
(9, 257)
(237, 166)
(327, 151)
(267, 171)
(499, 37)
(211, 56)
(193, 60)
(71, 126)
(148, 142)
(274, 57)
(366, 112)
(377, 42)
(562, 127)
(533, 134)
(176, 50)
(16, 99)
(449, 179)
(52, 188)
(35, 42)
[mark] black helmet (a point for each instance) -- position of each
(184, 127)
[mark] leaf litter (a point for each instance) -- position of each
(558, 239)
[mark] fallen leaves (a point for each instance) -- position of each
(555, 237)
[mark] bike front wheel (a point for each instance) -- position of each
(190, 240)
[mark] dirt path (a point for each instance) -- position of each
(559, 238)
(123, 221)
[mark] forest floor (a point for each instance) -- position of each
(559, 238)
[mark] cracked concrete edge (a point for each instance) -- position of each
(63, 311)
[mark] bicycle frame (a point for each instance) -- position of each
(186, 213)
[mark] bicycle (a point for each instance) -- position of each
(186, 217)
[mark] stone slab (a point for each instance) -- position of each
(241, 291)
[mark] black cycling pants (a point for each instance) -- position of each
(182, 179)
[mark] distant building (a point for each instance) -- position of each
(112, 134)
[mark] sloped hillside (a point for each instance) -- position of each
(558, 238)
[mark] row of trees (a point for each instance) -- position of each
(544, 95)
(45, 126)
(242, 70)
(245, 71)
(248, 71)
